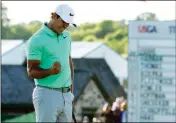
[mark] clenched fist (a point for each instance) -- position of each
(56, 68)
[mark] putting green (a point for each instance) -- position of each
(30, 117)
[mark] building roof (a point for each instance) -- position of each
(9, 45)
(17, 87)
(100, 50)
(99, 70)
(81, 78)
(81, 49)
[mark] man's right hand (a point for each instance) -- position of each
(35, 72)
(56, 68)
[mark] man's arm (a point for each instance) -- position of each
(72, 72)
(34, 71)
(34, 55)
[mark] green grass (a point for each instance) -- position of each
(30, 117)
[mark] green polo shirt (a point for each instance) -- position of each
(48, 47)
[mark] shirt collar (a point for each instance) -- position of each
(46, 29)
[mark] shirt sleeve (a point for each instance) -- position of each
(34, 50)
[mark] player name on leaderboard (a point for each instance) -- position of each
(152, 71)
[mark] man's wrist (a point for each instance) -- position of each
(50, 72)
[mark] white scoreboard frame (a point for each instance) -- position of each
(157, 35)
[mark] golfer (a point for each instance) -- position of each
(50, 65)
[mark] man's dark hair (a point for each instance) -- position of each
(57, 16)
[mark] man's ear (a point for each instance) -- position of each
(53, 16)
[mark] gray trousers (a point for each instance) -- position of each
(52, 106)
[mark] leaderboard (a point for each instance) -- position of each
(152, 71)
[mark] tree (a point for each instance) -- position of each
(90, 38)
(118, 35)
(19, 32)
(105, 27)
(34, 26)
(77, 36)
(86, 26)
(147, 16)
(4, 22)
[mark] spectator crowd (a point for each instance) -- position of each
(115, 113)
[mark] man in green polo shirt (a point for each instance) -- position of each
(50, 65)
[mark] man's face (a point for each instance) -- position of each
(59, 24)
